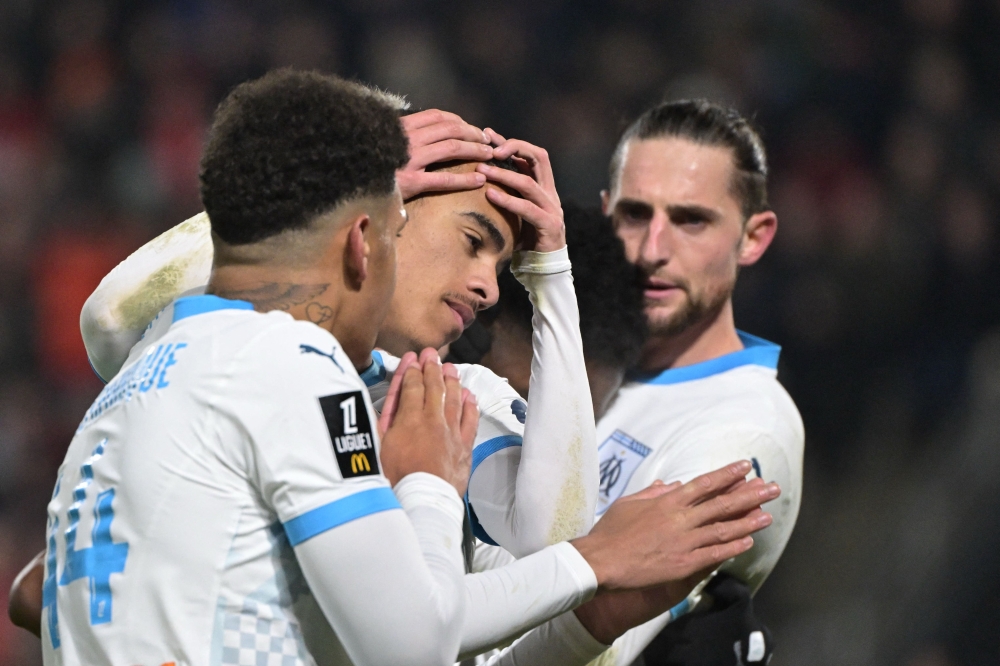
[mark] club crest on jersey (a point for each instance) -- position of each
(619, 456)
(351, 433)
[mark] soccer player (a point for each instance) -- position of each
(522, 493)
(612, 321)
(242, 435)
(608, 568)
(688, 197)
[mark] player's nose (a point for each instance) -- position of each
(654, 248)
(483, 287)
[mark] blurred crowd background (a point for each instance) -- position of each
(883, 126)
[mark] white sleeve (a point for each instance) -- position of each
(563, 641)
(311, 451)
(503, 603)
(543, 490)
(129, 297)
(390, 584)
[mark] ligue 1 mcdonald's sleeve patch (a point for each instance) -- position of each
(351, 434)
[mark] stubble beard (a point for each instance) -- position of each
(695, 309)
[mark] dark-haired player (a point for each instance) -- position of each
(612, 323)
(283, 150)
(688, 196)
(448, 258)
(208, 458)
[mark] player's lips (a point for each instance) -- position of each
(656, 288)
(464, 315)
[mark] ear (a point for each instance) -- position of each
(758, 232)
(605, 200)
(356, 251)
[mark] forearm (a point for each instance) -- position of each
(558, 476)
(394, 575)
(555, 490)
(503, 603)
(25, 604)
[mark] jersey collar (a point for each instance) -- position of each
(756, 351)
(375, 372)
(189, 306)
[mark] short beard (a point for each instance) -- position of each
(693, 311)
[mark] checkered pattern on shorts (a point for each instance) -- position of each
(253, 636)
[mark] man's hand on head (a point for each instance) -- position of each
(540, 207)
(438, 136)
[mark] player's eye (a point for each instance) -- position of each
(475, 243)
(690, 220)
(633, 213)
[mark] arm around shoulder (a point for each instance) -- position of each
(25, 604)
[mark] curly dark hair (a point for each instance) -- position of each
(608, 292)
(291, 145)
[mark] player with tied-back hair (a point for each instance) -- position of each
(672, 532)
(688, 197)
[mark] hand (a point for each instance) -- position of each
(391, 403)
(607, 616)
(671, 534)
(540, 207)
(438, 136)
(716, 496)
(25, 604)
(434, 424)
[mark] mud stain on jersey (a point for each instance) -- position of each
(137, 309)
(568, 519)
(608, 658)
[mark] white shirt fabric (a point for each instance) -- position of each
(673, 426)
(222, 503)
(534, 478)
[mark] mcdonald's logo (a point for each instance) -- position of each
(348, 419)
(359, 463)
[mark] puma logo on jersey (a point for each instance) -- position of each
(309, 349)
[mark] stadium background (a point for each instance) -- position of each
(883, 128)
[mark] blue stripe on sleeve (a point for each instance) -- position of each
(319, 520)
(491, 446)
(478, 530)
(680, 609)
(479, 454)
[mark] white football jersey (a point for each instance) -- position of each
(188, 483)
(684, 422)
(499, 438)
(534, 480)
